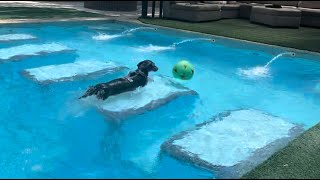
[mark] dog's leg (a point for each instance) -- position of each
(92, 90)
(103, 94)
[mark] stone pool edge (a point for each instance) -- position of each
(21, 21)
(234, 39)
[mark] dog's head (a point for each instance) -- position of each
(147, 65)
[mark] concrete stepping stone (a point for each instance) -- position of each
(15, 37)
(159, 91)
(26, 50)
(233, 142)
(71, 71)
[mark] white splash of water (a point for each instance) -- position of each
(136, 29)
(279, 55)
(103, 36)
(261, 71)
(191, 40)
(152, 48)
(104, 28)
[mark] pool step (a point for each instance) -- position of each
(71, 71)
(233, 142)
(159, 91)
(15, 37)
(26, 50)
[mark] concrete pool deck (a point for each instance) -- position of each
(76, 5)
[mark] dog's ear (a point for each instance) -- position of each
(144, 61)
(140, 63)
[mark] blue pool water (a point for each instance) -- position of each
(46, 132)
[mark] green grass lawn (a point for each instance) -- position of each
(42, 13)
(304, 38)
(299, 160)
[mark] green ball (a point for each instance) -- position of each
(183, 70)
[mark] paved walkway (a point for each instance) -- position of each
(79, 5)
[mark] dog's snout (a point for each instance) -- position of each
(155, 68)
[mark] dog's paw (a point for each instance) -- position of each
(101, 95)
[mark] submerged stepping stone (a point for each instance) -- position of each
(233, 142)
(159, 91)
(20, 52)
(14, 37)
(71, 71)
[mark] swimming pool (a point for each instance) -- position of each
(46, 132)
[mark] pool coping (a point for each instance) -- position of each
(21, 21)
(235, 39)
(136, 21)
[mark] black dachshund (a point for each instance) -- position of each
(132, 81)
